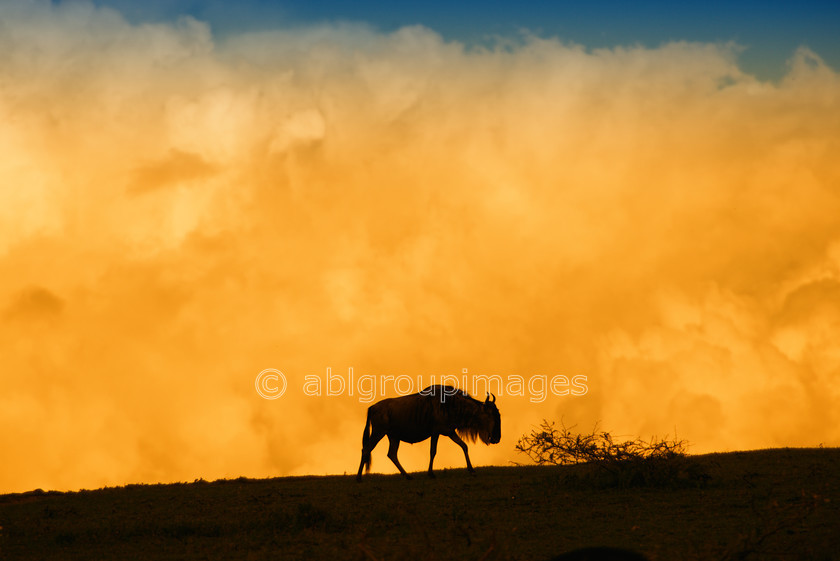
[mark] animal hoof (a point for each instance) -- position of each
(409, 477)
(432, 475)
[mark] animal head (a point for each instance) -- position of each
(491, 426)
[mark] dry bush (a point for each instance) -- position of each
(628, 463)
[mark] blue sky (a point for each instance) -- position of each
(770, 30)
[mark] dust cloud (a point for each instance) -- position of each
(179, 213)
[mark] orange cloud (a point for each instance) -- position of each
(191, 212)
(178, 167)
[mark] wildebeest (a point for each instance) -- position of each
(435, 411)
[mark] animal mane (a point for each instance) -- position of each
(447, 392)
(460, 407)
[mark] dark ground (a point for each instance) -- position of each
(768, 504)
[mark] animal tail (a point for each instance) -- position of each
(366, 458)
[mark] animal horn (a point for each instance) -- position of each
(494, 398)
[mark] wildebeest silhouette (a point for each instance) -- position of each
(435, 411)
(600, 554)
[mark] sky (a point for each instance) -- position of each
(629, 218)
(767, 31)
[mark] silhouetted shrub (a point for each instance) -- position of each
(628, 463)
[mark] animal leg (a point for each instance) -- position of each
(432, 453)
(457, 440)
(394, 444)
(367, 448)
